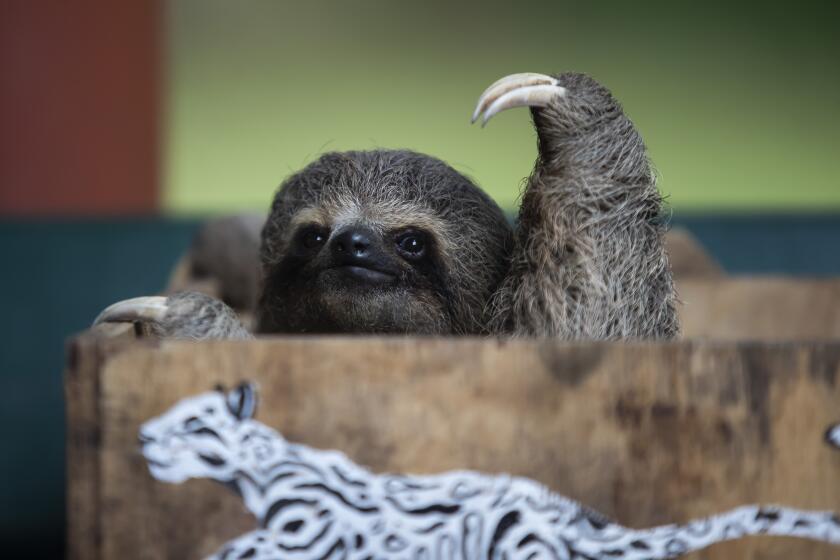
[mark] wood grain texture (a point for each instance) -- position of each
(646, 433)
(760, 308)
(84, 359)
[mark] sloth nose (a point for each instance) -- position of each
(358, 255)
(355, 241)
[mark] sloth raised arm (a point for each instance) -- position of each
(392, 241)
(589, 258)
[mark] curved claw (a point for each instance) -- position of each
(151, 309)
(517, 90)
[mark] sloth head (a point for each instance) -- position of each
(382, 242)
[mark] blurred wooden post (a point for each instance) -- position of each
(646, 433)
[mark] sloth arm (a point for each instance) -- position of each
(183, 315)
(589, 260)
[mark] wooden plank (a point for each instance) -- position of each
(645, 433)
(760, 308)
(80, 393)
(84, 358)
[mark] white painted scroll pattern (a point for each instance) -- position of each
(832, 436)
(314, 504)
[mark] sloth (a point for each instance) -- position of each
(393, 241)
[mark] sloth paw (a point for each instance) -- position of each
(517, 90)
(185, 315)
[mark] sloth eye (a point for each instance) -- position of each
(412, 245)
(313, 238)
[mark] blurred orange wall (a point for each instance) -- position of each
(79, 106)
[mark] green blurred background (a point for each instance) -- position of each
(737, 102)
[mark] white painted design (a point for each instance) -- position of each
(832, 436)
(319, 504)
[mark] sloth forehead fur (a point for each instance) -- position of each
(385, 191)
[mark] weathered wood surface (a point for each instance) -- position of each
(648, 434)
(760, 308)
(85, 358)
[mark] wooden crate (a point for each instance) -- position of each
(760, 308)
(646, 433)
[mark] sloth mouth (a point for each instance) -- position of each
(365, 275)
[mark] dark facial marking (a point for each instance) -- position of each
(308, 241)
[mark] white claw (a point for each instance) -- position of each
(501, 87)
(151, 308)
(532, 96)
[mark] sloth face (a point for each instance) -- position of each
(384, 241)
(353, 274)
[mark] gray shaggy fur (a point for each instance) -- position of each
(197, 316)
(587, 258)
(387, 190)
(227, 250)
